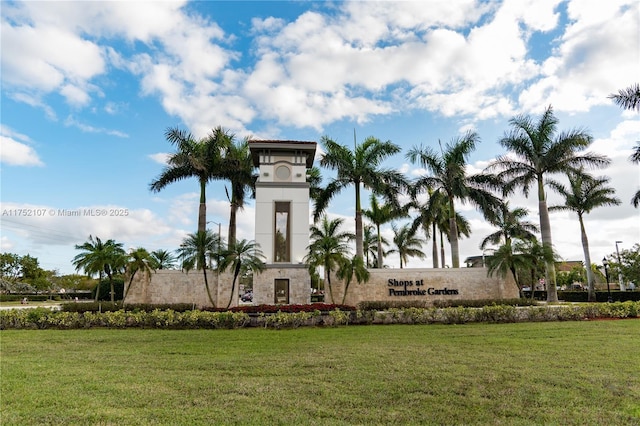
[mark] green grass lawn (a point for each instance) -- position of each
(560, 373)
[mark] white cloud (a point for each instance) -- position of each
(15, 153)
(160, 157)
(73, 122)
(42, 224)
(598, 54)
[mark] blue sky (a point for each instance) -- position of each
(89, 88)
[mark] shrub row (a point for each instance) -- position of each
(183, 307)
(501, 314)
(42, 318)
(582, 296)
(386, 305)
(601, 296)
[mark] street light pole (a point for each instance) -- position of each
(619, 267)
(606, 276)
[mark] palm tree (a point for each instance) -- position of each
(628, 98)
(518, 257)
(407, 244)
(635, 158)
(537, 151)
(537, 256)
(349, 269)
(370, 244)
(584, 194)
(243, 256)
(237, 168)
(194, 158)
(504, 260)
(510, 225)
(379, 215)
(162, 259)
(360, 168)
(100, 257)
(194, 252)
(328, 249)
(449, 176)
(314, 179)
(139, 260)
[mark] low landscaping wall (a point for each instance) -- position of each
(429, 285)
(176, 287)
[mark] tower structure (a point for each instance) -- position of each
(282, 220)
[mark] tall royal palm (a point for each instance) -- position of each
(584, 194)
(238, 169)
(98, 257)
(536, 151)
(379, 215)
(510, 224)
(329, 248)
(362, 169)
(193, 158)
(448, 175)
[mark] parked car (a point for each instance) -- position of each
(247, 297)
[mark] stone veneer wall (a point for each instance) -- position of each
(299, 284)
(170, 286)
(469, 283)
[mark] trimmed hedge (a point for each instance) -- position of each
(601, 296)
(381, 306)
(183, 307)
(43, 318)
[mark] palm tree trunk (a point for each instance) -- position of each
(442, 256)
(232, 224)
(327, 280)
(206, 286)
(236, 273)
(113, 296)
(359, 243)
(515, 276)
(346, 288)
(434, 250)
(587, 261)
(545, 231)
(380, 263)
(202, 208)
(453, 236)
(126, 291)
(98, 287)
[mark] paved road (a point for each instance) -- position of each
(27, 306)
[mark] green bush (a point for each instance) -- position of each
(423, 304)
(40, 318)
